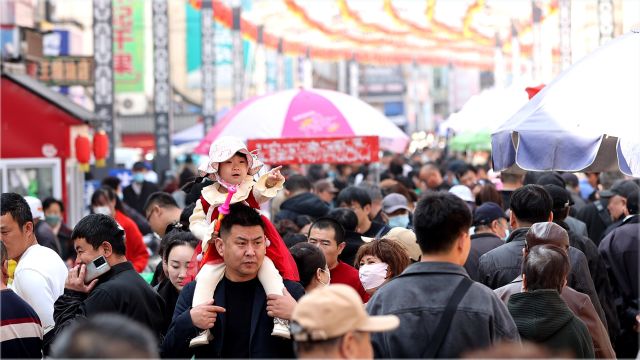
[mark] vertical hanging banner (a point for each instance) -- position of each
(354, 77)
(128, 45)
(162, 87)
(564, 12)
(606, 22)
(238, 59)
(260, 72)
(103, 71)
(307, 71)
(208, 67)
(280, 65)
(515, 54)
(536, 12)
(498, 64)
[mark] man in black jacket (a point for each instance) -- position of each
(300, 200)
(237, 313)
(349, 221)
(358, 200)
(491, 227)
(136, 194)
(561, 208)
(120, 290)
(619, 249)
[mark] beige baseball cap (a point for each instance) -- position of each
(333, 311)
(406, 238)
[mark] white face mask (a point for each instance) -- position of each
(104, 210)
(373, 275)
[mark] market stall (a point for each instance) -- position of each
(37, 153)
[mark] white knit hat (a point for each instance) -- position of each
(223, 149)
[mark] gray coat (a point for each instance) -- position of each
(419, 297)
(577, 226)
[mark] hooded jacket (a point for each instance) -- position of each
(302, 204)
(543, 317)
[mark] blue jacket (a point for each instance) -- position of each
(419, 297)
(263, 344)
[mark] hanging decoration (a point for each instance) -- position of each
(437, 39)
(374, 51)
(100, 148)
(83, 151)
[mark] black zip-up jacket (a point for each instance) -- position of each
(121, 290)
(480, 244)
(599, 276)
(302, 204)
(261, 343)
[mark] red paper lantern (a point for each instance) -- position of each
(100, 148)
(83, 151)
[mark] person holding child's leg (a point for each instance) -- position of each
(232, 165)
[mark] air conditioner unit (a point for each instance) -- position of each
(131, 103)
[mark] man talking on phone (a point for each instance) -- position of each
(103, 281)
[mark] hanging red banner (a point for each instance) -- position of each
(338, 150)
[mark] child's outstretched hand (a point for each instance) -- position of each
(273, 177)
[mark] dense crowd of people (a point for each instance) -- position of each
(423, 256)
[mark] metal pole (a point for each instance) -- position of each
(162, 88)
(103, 72)
(208, 58)
(238, 59)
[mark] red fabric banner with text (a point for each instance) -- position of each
(338, 150)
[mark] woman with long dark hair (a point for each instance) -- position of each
(178, 247)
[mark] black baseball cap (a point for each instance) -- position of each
(561, 196)
(624, 188)
(487, 212)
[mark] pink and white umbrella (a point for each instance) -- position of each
(302, 113)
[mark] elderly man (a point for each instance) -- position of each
(619, 250)
(532, 204)
(548, 233)
(331, 323)
(237, 313)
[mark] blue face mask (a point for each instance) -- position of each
(506, 234)
(138, 177)
(401, 221)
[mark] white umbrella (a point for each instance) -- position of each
(587, 119)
